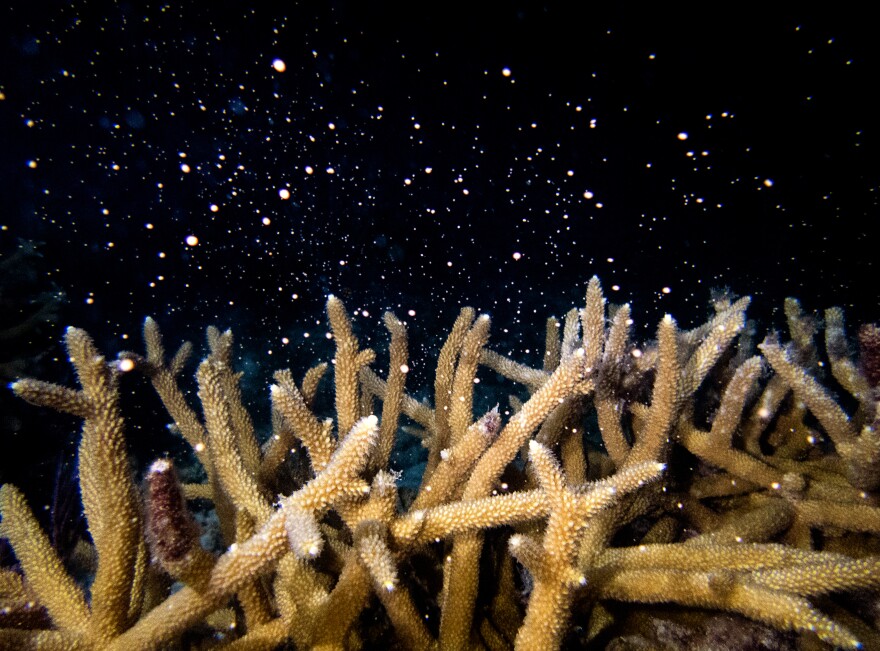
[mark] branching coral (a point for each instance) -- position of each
(727, 479)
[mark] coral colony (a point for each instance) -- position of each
(694, 477)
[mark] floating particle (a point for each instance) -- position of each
(184, 168)
(279, 65)
(517, 255)
(682, 135)
(266, 221)
(192, 240)
(666, 290)
(768, 183)
(588, 194)
(505, 72)
(284, 193)
(309, 169)
(214, 207)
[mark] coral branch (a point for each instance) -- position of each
(721, 479)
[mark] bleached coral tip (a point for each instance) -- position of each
(534, 446)
(160, 465)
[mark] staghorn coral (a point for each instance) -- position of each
(728, 479)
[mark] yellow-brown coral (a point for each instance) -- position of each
(781, 512)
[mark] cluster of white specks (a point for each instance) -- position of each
(325, 147)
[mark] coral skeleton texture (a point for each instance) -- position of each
(693, 475)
